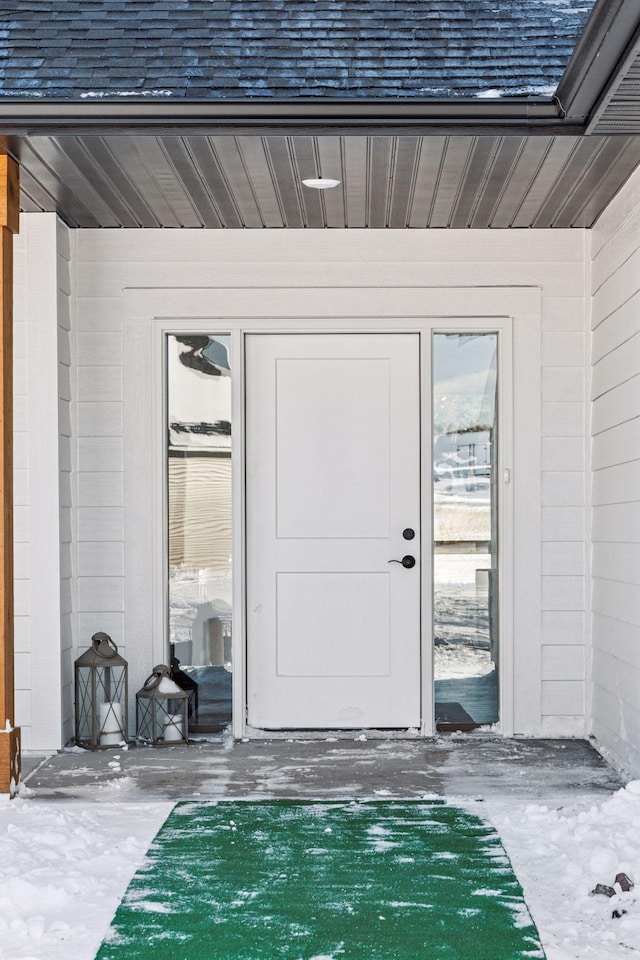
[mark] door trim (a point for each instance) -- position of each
(151, 313)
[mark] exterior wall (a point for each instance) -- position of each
(616, 478)
(42, 447)
(112, 262)
(21, 519)
(66, 459)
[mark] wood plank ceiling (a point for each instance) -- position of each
(387, 181)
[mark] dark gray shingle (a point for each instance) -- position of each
(217, 49)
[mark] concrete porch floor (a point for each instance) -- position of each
(450, 766)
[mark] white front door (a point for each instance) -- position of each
(333, 494)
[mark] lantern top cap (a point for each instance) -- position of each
(160, 685)
(104, 645)
(102, 652)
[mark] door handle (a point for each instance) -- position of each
(407, 561)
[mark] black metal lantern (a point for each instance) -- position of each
(101, 687)
(162, 710)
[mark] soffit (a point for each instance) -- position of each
(387, 181)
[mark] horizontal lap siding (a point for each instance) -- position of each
(22, 558)
(66, 435)
(44, 500)
(100, 515)
(615, 391)
(110, 262)
(563, 620)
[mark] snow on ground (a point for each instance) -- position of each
(560, 854)
(65, 866)
(461, 617)
(67, 863)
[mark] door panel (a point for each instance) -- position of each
(332, 480)
(333, 473)
(342, 638)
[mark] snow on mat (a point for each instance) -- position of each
(323, 881)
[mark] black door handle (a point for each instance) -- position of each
(407, 561)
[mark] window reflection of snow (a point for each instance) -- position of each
(199, 513)
(464, 420)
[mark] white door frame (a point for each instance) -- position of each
(151, 314)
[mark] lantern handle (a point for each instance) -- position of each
(160, 671)
(104, 645)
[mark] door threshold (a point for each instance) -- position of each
(458, 727)
(199, 729)
(410, 733)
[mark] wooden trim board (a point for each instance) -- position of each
(9, 737)
(9, 760)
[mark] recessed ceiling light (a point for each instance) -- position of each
(321, 183)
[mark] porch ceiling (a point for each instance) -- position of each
(237, 181)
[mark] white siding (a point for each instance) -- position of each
(615, 392)
(112, 262)
(21, 492)
(43, 497)
(66, 450)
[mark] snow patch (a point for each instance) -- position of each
(559, 855)
(101, 94)
(65, 869)
(541, 90)
(168, 686)
(151, 906)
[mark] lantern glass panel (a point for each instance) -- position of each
(162, 717)
(101, 692)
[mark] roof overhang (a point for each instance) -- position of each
(598, 58)
(479, 162)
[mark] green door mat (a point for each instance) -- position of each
(287, 880)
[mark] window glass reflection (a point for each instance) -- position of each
(465, 561)
(199, 515)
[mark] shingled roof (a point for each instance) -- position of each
(223, 49)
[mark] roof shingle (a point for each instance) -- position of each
(217, 49)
